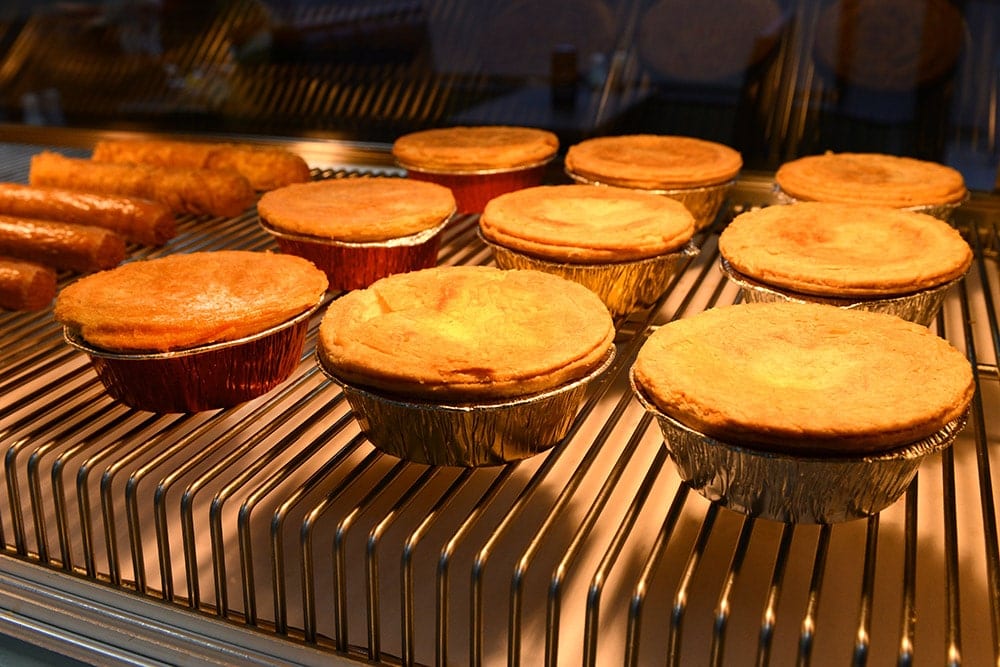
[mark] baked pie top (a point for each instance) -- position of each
(465, 148)
(871, 178)
(844, 250)
(185, 300)
(357, 209)
(586, 223)
(466, 333)
(804, 378)
(653, 162)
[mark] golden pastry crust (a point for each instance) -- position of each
(804, 378)
(357, 209)
(587, 223)
(185, 300)
(871, 178)
(466, 334)
(471, 148)
(844, 250)
(653, 162)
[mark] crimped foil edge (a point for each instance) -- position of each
(791, 488)
(703, 201)
(943, 211)
(669, 192)
(73, 337)
(204, 377)
(920, 307)
(624, 287)
(485, 171)
(418, 238)
(469, 435)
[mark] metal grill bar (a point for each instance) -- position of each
(863, 636)
(769, 616)
(808, 634)
(953, 638)
(722, 609)
(597, 583)
(986, 492)
(909, 616)
(279, 518)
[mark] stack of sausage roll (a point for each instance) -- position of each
(78, 214)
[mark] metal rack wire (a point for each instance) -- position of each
(275, 532)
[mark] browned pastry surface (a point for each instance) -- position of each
(587, 223)
(467, 148)
(357, 209)
(844, 249)
(805, 378)
(466, 333)
(653, 162)
(266, 167)
(871, 178)
(184, 300)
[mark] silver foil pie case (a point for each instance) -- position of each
(468, 435)
(920, 307)
(624, 287)
(940, 211)
(703, 202)
(791, 488)
(205, 377)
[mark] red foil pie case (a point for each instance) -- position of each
(350, 265)
(201, 378)
(475, 188)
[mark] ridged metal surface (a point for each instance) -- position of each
(278, 519)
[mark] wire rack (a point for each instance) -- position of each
(273, 532)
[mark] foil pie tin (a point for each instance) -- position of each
(473, 189)
(790, 488)
(624, 287)
(350, 265)
(920, 307)
(206, 377)
(940, 211)
(703, 202)
(469, 435)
